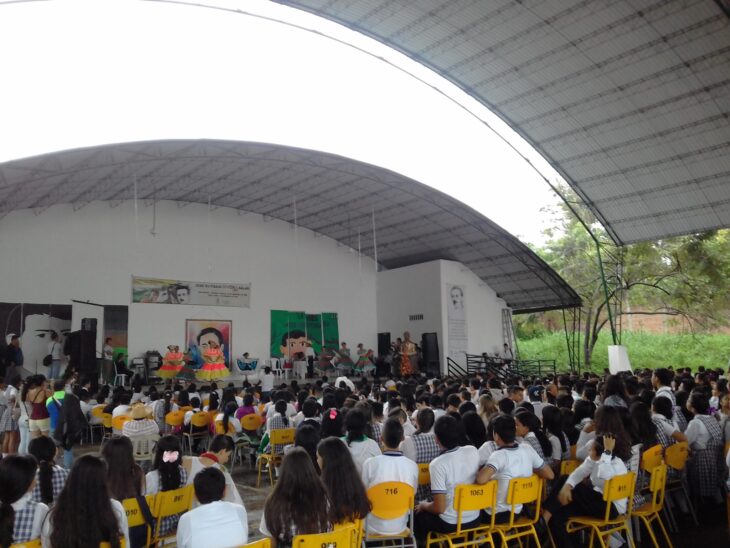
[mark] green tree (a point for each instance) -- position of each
(688, 276)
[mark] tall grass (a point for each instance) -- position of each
(645, 350)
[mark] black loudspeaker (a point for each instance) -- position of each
(88, 324)
(431, 355)
(383, 344)
(80, 346)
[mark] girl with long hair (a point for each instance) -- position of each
(299, 503)
(529, 428)
(162, 408)
(552, 423)
(608, 421)
(228, 419)
(167, 474)
(614, 392)
(332, 423)
(9, 418)
(487, 408)
(361, 447)
(348, 498)
(124, 476)
(476, 432)
(307, 437)
(50, 477)
(85, 515)
(21, 518)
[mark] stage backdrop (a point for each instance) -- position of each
(456, 315)
(160, 291)
(199, 332)
(290, 331)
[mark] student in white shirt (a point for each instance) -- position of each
(392, 465)
(267, 382)
(510, 460)
(361, 447)
(215, 523)
(576, 498)
(17, 480)
(455, 466)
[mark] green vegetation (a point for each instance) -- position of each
(645, 350)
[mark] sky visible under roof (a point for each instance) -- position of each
(84, 73)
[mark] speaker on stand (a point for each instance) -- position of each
(382, 366)
(431, 354)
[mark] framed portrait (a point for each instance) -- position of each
(198, 333)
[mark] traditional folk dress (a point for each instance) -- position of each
(172, 364)
(408, 363)
(364, 361)
(214, 366)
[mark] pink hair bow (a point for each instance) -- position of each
(170, 456)
(333, 414)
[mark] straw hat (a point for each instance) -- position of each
(139, 412)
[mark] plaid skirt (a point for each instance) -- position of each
(706, 466)
(7, 423)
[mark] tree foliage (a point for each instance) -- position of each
(687, 276)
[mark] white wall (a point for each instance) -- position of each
(423, 289)
(91, 254)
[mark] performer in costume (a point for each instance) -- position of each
(214, 364)
(365, 361)
(408, 356)
(172, 363)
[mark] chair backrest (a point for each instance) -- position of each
(524, 491)
(676, 455)
(219, 428)
(424, 473)
(122, 544)
(261, 543)
(282, 436)
(657, 485)
(251, 422)
(175, 418)
(471, 497)
(339, 538)
(567, 466)
(356, 527)
(200, 419)
(618, 488)
(391, 499)
(35, 543)
(727, 449)
(185, 408)
(118, 422)
(651, 458)
(106, 420)
(135, 516)
(143, 447)
(98, 411)
(171, 503)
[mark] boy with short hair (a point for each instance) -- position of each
(215, 523)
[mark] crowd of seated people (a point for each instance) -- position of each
(350, 437)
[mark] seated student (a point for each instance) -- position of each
(125, 477)
(705, 438)
(247, 408)
(575, 498)
(510, 460)
(267, 382)
(195, 404)
(452, 403)
(220, 450)
(299, 503)
(310, 414)
(141, 425)
(530, 431)
(50, 478)
(21, 518)
(361, 447)
(662, 415)
(228, 420)
(402, 416)
(123, 408)
(455, 465)
(392, 465)
(167, 474)
(85, 494)
(348, 499)
(215, 523)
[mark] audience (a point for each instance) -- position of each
(21, 518)
(167, 474)
(348, 498)
(361, 447)
(50, 478)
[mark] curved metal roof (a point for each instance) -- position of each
(335, 196)
(628, 100)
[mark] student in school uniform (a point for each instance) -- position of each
(22, 518)
(455, 465)
(392, 465)
(705, 438)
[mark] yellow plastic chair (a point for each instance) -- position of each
(201, 419)
(617, 488)
(424, 474)
(251, 422)
(358, 526)
(262, 543)
(649, 512)
(675, 457)
(185, 409)
(521, 491)
(568, 466)
(573, 451)
(35, 543)
(170, 503)
(339, 538)
(219, 428)
(281, 436)
(467, 498)
(97, 412)
(174, 419)
(392, 500)
(651, 458)
(122, 544)
(135, 516)
(118, 422)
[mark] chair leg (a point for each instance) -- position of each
(664, 531)
(669, 513)
(647, 524)
(689, 503)
(258, 467)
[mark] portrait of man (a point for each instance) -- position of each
(37, 331)
(457, 298)
(182, 294)
(293, 342)
(200, 333)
